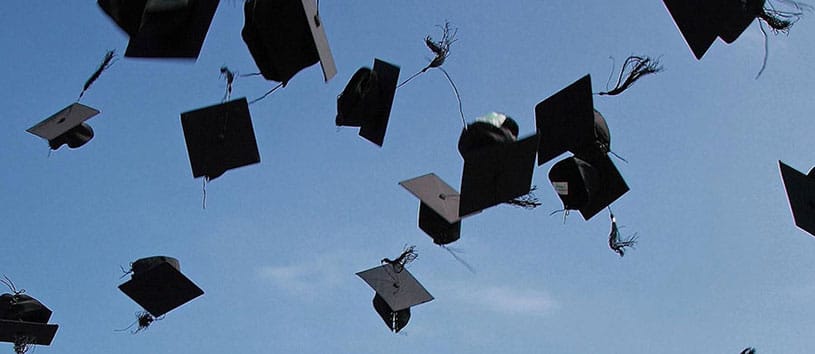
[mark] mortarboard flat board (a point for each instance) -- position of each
(565, 120)
(159, 287)
(286, 36)
(378, 109)
(736, 16)
(127, 14)
(496, 174)
(66, 126)
(220, 138)
(436, 194)
(21, 307)
(165, 28)
(31, 332)
(367, 99)
(697, 20)
(400, 290)
(801, 195)
(611, 187)
(600, 178)
(438, 210)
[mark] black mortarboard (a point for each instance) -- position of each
(588, 186)
(24, 320)
(27, 332)
(367, 99)
(566, 121)
(158, 285)
(698, 21)
(496, 174)
(162, 28)
(286, 36)
(438, 209)
(801, 195)
(21, 307)
(220, 138)
(399, 290)
(736, 16)
(66, 127)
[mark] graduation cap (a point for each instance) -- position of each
(697, 20)
(158, 286)
(162, 28)
(367, 99)
(220, 138)
(801, 195)
(736, 16)
(701, 21)
(588, 186)
(438, 207)
(567, 121)
(24, 321)
(21, 307)
(66, 127)
(396, 291)
(496, 174)
(286, 36)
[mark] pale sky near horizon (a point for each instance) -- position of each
(720, 266)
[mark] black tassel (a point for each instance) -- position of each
(229, 75)
(617, 244)
(782, 20)
(440, 49)
(407, 256)
(106, 63)
(635, 67)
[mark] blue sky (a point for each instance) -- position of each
(720, 265)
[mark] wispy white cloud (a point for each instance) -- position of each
(303, 278)
(507, 300)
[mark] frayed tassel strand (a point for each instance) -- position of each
(633, 69)
(107, 62)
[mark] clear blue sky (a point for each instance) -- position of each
(720, 265)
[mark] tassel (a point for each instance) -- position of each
(106, 63)
(636, 67)
(617, 244)
(407, 256)
(229, 75)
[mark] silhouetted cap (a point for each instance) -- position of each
(21, 307)
(220, 138)
(438, 209)
(736, 16)
(801, 195)
(158, 285)
(496, 174)
(66, 127)
(286, 36)
(588, 186)
(367, 99)
(697, 21)
(566, 121)
(399, 289)
(701, 21)
(395, 320)
(31, 332)
(491, 129)
(22, 316)
(162, 28)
